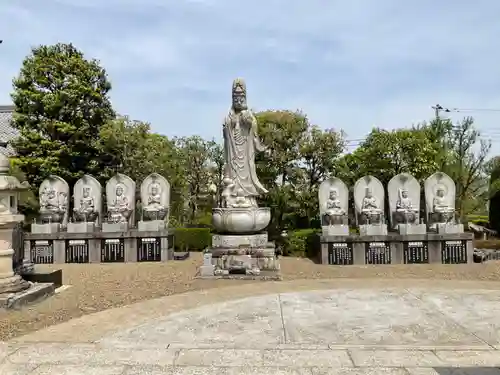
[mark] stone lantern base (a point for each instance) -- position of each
(14, 290)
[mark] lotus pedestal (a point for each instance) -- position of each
(240, 248)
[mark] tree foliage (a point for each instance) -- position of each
(385, 154)
(61, 101)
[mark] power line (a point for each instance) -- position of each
(491, 135)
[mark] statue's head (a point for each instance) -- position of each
(440, 192)
(404, 193)
(368, 192)
(119, 190)
(51, 193)
(155, 189)
(333, 194)
(239, 95)
(86, 191)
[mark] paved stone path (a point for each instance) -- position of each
(351, 330)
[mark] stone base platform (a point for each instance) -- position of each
(35, 293)
(241, 257)
(450, 248)
(251, 258)
(263, 276)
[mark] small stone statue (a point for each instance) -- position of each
(86, 211)
(241, 201)
(334, 209)
(53, 204)
(404, 207)
(120, 210)
(442, 207)
(370, 208)
(154, 209)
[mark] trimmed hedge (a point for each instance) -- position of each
(482, 220)
(302, 243)
(192, 239)
(487, 244)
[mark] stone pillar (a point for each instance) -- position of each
(9, 282)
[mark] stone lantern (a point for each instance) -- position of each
(10, 189)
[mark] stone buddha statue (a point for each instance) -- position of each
(334, 212)
(86, 210)
(52, 205)
(155, 210)
(370, 209)
(405, 211)
(441, 206)
(241, 201)
(121, 209)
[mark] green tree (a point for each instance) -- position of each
(61, 101)
(385, 154)
(466, 166)
(319, 154)
(195, 155)
(129, 147)
(281, 132)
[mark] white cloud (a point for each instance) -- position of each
(351, 64)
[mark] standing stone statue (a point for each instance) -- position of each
(440, 192)
(120, 199)
(369, 203)
(333, 197)
(155, 198)
(240, 212)
(53, 195)
(404, 204)
(87, 210)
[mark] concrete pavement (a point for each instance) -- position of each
(391, 327)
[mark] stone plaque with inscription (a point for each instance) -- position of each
(77, 251)
(454, 252)
(340, 253)
(377, 253)
(149, 249)
(113, 250)
(42, 251)
(415, 252)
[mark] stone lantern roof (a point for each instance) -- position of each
(8, 182)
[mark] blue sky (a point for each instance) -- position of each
(349, 65)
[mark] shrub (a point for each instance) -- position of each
(302, 243)
(487, 244)
(482, 220)
(192, 239)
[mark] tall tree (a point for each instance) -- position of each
(129, 147)
(467, 162)
(385, 154)
(61, 101)
(194, 152)
(281, 132)
(319, 153)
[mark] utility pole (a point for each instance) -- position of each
(438, 108)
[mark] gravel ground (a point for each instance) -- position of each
(96, 287)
